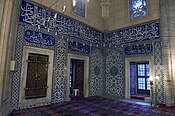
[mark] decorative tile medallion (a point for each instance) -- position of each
(113, 71)
(97, 70)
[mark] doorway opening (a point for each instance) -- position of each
(76, 80)
(138, 71)
(139, 80)
(77, 77)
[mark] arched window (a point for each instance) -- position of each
(78, 7)
(137, 8)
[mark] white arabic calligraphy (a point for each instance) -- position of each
(38, 38)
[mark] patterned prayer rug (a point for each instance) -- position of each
(95, 106)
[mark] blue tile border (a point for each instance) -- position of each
(145, 32)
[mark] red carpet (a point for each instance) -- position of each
(79, 97)
(138, 97)
(95, 106)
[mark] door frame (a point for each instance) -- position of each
(86, 73)
(38, 101)
(127, 70)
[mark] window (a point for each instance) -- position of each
(137, 8)
(78, 7)
(71, 74)
(143, 81)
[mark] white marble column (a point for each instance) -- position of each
(8, 26)
(167, 29)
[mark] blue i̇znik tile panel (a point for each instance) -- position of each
(96, 72)
(139, 49)
(41, 18)
(74, 46)
(158, 73)
(115, 79)
(36, 37)
(144, 32)
(17, 73)
(143, 39)
(60, 76)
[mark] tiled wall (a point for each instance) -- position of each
(141, 40)
(115, 77)
(107, 52)
(72, 36)
(96, 83)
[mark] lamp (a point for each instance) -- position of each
(74, 2)
(63, 8)
(151, 83)
(151, 80)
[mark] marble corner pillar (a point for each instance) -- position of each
(8, 24)
(167, 29)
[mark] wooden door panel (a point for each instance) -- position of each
(36, 83)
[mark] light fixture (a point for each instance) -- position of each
(55, 16)
(39, 26)
(151, 90)
(63, 8)
(74, 2)
(151, 78)
(46, 20)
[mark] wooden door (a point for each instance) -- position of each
(37, 72)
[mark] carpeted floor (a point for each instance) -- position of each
(96, 106)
